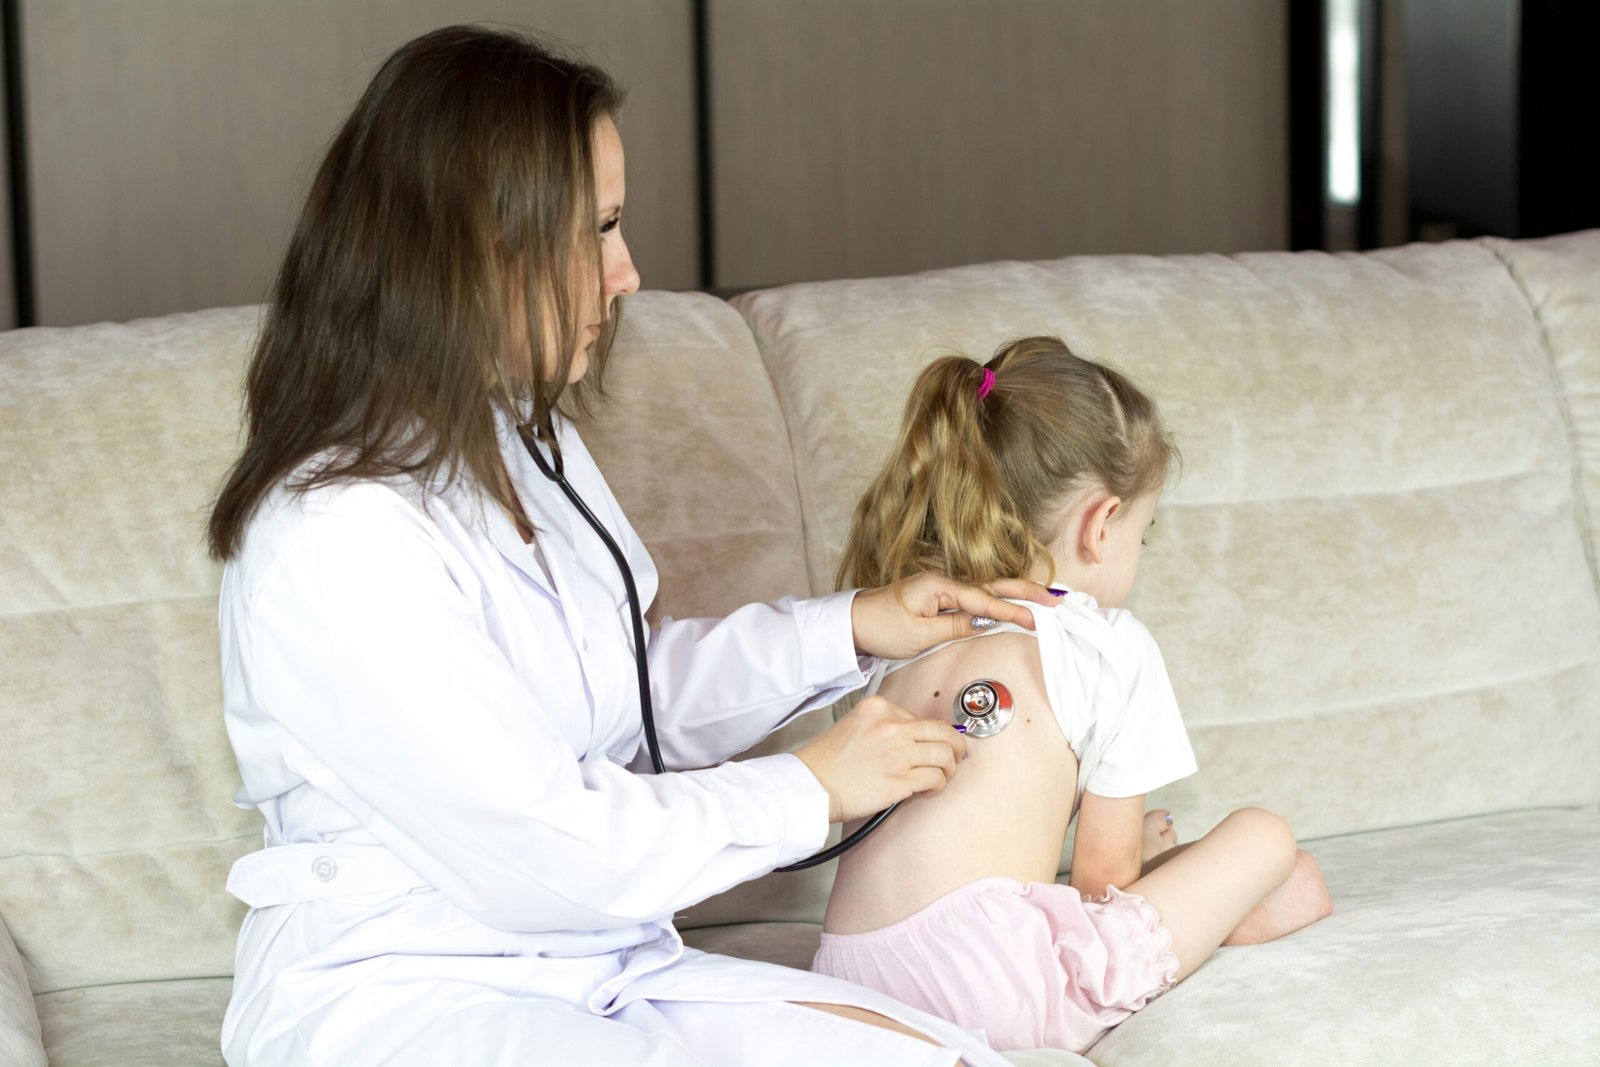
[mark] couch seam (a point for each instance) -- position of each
(1361, 494)
(1528, 809)
(144, 850)
(1399, 698)
(803, 487)
(133, 981)
(166, 598)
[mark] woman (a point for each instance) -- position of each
(427, 662)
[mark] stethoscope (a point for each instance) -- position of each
(982, 708)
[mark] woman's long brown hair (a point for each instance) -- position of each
(465, 169)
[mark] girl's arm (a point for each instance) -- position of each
(1109, 849)
(1146, 748)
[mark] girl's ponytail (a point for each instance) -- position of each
(940, 503)
(986, 462)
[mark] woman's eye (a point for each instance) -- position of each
(610, 225)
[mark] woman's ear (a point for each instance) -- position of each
(1095, 528)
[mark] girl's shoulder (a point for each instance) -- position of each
(1113, 639)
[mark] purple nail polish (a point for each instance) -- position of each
(1057, 592)
(960, 729)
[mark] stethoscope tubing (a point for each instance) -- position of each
(641, 661)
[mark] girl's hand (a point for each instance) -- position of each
(878, 754)
(897, 622)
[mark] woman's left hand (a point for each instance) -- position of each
(897, 622)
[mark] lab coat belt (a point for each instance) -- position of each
(292, 874)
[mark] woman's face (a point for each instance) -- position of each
(617, 274)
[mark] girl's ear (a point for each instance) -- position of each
(1096, 520)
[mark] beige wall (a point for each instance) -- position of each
(936, 132)
(172, 139)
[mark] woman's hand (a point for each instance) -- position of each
(878, 754)
(897, 622)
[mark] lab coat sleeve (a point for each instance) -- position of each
(374, 663)
(721, 685)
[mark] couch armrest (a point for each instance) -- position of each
(20, 1040)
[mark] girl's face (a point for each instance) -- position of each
(1097, 551)
(1121, 544)
(617, 274)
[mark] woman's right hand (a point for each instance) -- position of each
(881, 753)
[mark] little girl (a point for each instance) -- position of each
(1048, 466)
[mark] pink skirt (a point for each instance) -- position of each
(1033, 966)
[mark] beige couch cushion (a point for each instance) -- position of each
(116, 821)
(692, 443)
(1558, 276)
(144, 1024)
(1370, 584)
(19, 1023)
(1466, 942)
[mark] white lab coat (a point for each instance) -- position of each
(437, 721)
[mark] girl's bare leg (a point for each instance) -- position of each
(872, 1018)
(1300, 901)
(1204, 890)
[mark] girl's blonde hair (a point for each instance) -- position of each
(975, 487)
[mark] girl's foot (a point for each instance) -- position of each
(1300, 901)
(1159, 834)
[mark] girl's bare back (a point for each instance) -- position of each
(992, 819)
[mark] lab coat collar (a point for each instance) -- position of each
(476, 509)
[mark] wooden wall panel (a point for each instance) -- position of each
(856, 138)
(8, 281)
(171, 140)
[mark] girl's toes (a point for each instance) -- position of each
(1159, 823)
(1159, 833)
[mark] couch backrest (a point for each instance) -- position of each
(1560, 277)
(116, 780)
(1372, 584)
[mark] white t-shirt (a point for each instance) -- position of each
(1109, 690)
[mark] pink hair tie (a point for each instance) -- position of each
(988, 383)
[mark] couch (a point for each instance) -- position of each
(1375, 586)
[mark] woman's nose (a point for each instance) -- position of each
(622, 278)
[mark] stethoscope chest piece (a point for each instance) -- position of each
(983, 708)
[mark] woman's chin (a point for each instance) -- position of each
(580, 366)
